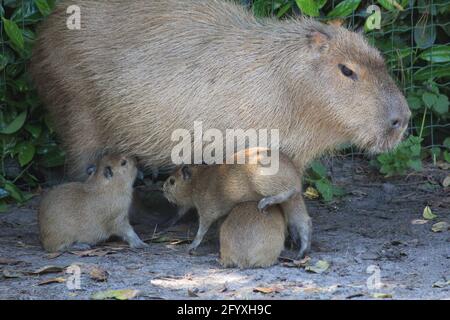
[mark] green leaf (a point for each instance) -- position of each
(344, 9)
(14, 33)
(447, 156)
(319, 169)
(43, 7)
(429, 99)
(35, 130)
(424, 35)
(26, 152)
(282, 11)
(441, 104)
(414, 102)
(13, 191)
(125, 294)
(3, 61)
(16, 124)
(446, 143)
(390, 5)
(3, 206)
(325, 189)
(415, 149)
(308, 7)
(415, 164)
(321, 3)
(432, 72)
(436, 54)
(428, 214)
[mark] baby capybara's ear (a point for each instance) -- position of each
(91, 170)
(187, 172)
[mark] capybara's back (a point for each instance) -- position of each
(138, 70)
(249, 239)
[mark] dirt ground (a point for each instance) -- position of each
(377, 229)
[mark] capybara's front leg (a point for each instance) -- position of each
(206, 219)
(129, 235)
(299, 223)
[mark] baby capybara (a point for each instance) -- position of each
(249, 240)
(83, 214)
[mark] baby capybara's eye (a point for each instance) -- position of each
(172, 181)
(123, 163)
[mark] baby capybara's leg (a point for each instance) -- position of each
(266, 202)
(299, 223)
(127, 233)
(206, 219)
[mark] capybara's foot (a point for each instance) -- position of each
(264, 204)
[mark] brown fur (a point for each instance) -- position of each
(251, 240)
(215, 189)
(137, 70)
(90, 212)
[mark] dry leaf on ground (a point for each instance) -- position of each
(320, 267)
(9, 261)
(311, 193)
(124, 294)
(267, 290)
(382, 295)
(292, 263)
(98, 274)
(47, 270)
(50, 281)
(440, 227)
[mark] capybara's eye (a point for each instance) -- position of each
(123, 163)
(347, 72)
(172, 181)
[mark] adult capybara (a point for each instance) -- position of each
(138, 70)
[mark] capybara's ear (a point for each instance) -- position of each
(336, 22)
(187, 172)
(91, 170)
(318, 39)
(107, 172)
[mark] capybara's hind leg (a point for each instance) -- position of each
(299, 223)
(277, 199)
(81, 139)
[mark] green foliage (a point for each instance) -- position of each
(406, 156)
(317, 176)
(413, 36)
(26, 140)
